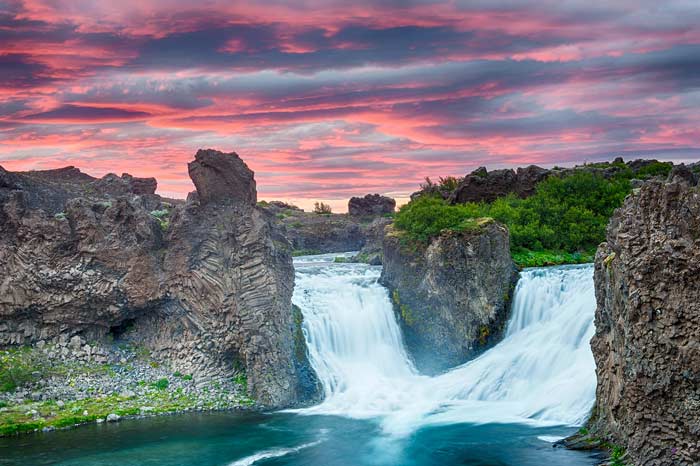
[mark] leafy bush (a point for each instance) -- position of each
(654, 169)
(565, 216)
(161, 384)
(322, 208)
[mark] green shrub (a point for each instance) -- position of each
(566, 216)
(161, 384)
(654, 169)
(187, 377)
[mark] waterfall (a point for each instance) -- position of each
(542, 372)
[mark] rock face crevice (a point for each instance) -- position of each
(208, 291)
(452, 297)
(647, 341)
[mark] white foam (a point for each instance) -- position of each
(273, 453)
(542, 373)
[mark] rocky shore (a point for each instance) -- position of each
(74, 383)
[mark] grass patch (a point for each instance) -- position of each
(305, 252)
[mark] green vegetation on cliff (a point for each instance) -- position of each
(563, 222)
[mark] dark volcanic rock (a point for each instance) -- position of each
(114, 185)
(647, 341)
(481, 185)
(371, 205)
(453, 296)
(222, 178)
(208, 292)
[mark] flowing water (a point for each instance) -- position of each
(502, 408)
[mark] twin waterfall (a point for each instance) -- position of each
(542, 372)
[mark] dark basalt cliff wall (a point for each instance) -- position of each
(206, 285)
(647, 341)
(453, 296)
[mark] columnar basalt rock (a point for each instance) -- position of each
(647, 341)
(208, 291)
(453, 296)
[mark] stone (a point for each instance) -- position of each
(484, 186)
(113, 418)
(222, 178)
(371, 205)
(451, 297)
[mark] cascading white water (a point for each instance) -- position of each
(542, 372)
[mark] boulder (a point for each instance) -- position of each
(484, 186)
(452, 297)
(371, 205)
(222, 178)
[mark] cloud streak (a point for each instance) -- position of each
(326, 100)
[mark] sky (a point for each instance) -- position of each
(329, 99)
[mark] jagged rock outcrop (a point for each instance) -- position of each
(647, 341)
(371, 205)
(485, 186)
(222, 180)
(482, 185)
(453, 296)
(205, 285)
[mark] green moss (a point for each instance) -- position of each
(616, 456)
(484, 333)
(407, 315)
(609, 259)
(305, 252)
(161, 384)
(341, 260)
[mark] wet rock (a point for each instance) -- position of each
(113, 418)
(452, 297)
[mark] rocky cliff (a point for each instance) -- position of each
(359, 230)
(452, 297)
(205, 285)
(647, 341)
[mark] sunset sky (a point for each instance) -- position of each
(325, 100)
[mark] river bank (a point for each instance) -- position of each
(61, 386)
